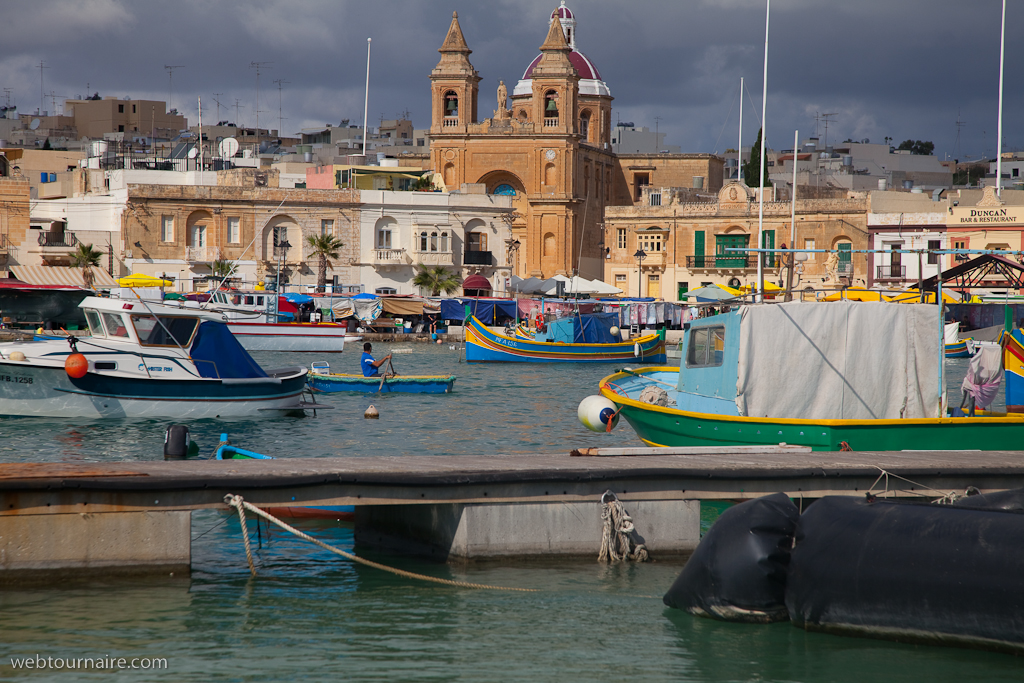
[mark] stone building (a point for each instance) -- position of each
(684, 242)
(548, 147)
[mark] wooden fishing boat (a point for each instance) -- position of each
(557, 345)
(958, 349)
(1013, 365)
(738, 386)
(322, 379)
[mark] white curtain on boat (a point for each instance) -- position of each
(840, 360)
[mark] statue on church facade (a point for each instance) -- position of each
(501, 113)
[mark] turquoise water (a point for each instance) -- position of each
(310, 615)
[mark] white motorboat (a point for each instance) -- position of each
(143, 360)
(246, 314)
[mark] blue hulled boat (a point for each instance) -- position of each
(322, 379)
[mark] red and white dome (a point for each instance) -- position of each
(590, 77)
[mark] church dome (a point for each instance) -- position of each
(590, 77)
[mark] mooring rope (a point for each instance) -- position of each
(945, 497)
(241, 505)
(617, 537)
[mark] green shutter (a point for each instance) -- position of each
(730, 259)
(698, 249)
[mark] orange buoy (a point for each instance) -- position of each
(76, 365)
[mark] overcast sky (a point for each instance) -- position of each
(897, 68)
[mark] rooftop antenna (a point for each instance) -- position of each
(236, 112)
(258, 66)
(960, 123)
(42, 95)
(280, 119)
(215, 96)
(825, 118)
(7, 97)
(170, 82)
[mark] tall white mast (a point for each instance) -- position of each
(760, 205)
(739, 147)
(366, 100)
(999, 131)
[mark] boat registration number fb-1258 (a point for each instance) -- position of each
(16, 379)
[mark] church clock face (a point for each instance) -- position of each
(550, 155)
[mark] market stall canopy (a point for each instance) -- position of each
(143, 280)
(856, 294)
(476, 282)
(488, 311)
(409, 306)
(11, 283)
(602, 287)
(530, 285)
(62, 275)
(710, 293)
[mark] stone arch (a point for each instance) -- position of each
(585, 127)
(385, 233)
(551, 106)
(523, 116)
(450, 101)
(549, 174)
(199, 229)
(285, 228)
(550, 247)
(735, 229)
(840, 239)
(478, 237)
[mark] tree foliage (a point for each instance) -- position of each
(752, 168)
(224, 268)
(921, 147)
(325, 248)
(437, 279)
(86, 258)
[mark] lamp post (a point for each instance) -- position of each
(640, 255)
(282, 246)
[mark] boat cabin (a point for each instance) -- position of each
(144, 324)
(708, 367)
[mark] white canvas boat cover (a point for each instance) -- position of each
(840, 360)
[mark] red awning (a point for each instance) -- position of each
(476, 282)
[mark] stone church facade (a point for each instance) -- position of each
(548, 146)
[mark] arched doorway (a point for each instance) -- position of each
(280, 230)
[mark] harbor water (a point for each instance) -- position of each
(310, 615)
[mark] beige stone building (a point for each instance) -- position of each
(547, 145)
(685, 242)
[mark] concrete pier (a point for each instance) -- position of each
(134, 515)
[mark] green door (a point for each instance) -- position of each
(845, 259)
(730, 259)
(768, 242)
(681, 290)
(698, 249)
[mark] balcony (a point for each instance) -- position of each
(59, 240)
(550, 121)
(433, 258)
(450, 122)
(389, 257)
(655, 259)
(202, 254)
(890, 272)
(722, 262)
(477, 258)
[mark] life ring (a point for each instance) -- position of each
(536, 319)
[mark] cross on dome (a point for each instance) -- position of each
(568, 21)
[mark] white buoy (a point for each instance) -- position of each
(614, 331)
(595, 412)
(371, 414)
(16, 355)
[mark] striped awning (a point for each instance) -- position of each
(62, 275)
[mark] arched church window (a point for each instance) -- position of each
(505, 189)
(451, 108)
(585, 125)
(550, 108)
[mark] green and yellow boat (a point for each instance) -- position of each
(861, 376)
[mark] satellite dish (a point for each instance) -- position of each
(35, 124)
(193, 153)
(228, 148)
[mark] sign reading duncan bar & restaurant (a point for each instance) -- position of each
(986, 215)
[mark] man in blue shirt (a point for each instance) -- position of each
(370, 365)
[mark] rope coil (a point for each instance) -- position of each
(619, 537)
(241, 505)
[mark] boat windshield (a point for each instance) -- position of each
(115, 325)
(706, 348)
(92, 318)
(152, 333)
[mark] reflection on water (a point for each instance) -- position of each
(311, 615)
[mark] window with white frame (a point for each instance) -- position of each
(234, 229)
(167, 228)
(444, 241)
(651, 242)
(433, 241)
(423, 240)
(809, 244)
(327, 226)
(384, 238)
(620, 278)
(622, 238)
(385, 290)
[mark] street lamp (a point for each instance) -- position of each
(512, 249)
(282, 247)
(640, 255)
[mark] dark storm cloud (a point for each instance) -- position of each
(899, 69)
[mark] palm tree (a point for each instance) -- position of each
(437, 279)
(223, 268)
(85, 257)
(325, 248)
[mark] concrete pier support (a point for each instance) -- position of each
(33, 546)
(506, 530)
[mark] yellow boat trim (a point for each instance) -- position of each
(638, 340)
(624, 400)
